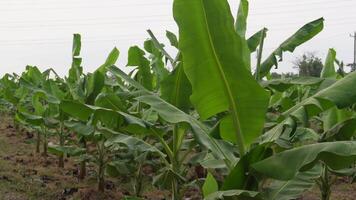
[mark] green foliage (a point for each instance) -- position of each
(200, 109)
(214, 58)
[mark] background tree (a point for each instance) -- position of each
(275, 75)
(308, 65)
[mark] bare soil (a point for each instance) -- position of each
(26, 175)
(342, 189)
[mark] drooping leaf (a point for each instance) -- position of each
(286, 165)
(173, 115)
(304, 34)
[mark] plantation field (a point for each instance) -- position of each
(202, 122)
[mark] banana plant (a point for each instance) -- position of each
(173, 116)
(105, 126)
(84, 88)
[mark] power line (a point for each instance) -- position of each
(121, 21)
(85, 6)
(120, 18)
(71, 3)
(81, 7)
(79, 25)
(301, 3)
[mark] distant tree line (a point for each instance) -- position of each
(307, 65)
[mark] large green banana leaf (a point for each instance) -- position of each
(286, 165)
(215, 65)
(304, 34)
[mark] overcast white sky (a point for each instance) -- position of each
(39, 32)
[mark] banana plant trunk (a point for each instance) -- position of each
(38, 142)
(61, 143)
(45, 145)
(61, 157)
(101, 179)
(324, 184)
(82, 170)
(102, 165)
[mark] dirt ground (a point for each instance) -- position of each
(25, 175)
(341, 190)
